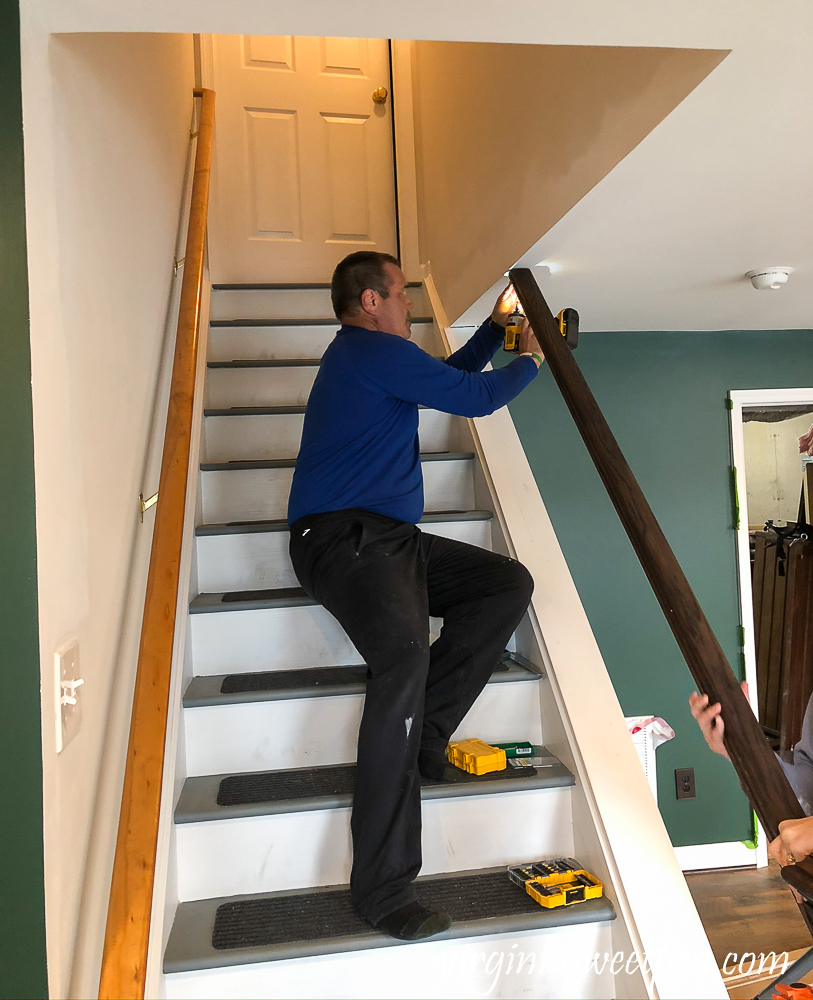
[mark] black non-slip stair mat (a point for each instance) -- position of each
(483, 902)
(247, 527)
(293, 680)
(320, 916)
(334, 783)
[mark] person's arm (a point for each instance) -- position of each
(795, 841)
(479, 349)
(484, 343)
(401, 369)
(806, 442)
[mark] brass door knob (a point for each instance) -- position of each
(380, 95)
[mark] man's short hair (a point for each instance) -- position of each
(353, 275)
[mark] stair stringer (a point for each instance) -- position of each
(617, 829)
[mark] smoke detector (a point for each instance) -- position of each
(769, 277)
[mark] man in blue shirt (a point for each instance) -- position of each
(356, 498)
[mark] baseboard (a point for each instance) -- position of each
(700, 857)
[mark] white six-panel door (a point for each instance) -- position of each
(304, 170)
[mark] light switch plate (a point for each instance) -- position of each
(68, 687)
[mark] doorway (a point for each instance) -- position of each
(304, 164)
(770, 474)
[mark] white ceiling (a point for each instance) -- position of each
(723, 185)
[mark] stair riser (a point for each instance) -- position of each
(262, 494)
(306, 732)
(260, 560)
(469, 967)
(270, 436)
(286, 303)
(258, 343)
(259, 386)
(297, 850)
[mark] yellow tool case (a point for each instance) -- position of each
(475, 756)
(557, 882)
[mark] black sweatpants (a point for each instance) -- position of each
(382, 579)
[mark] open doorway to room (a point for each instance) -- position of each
(770, 432)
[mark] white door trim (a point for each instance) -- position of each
(740, 398)
(406, 173)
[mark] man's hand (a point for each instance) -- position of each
(528, 344)
(710, 721)
(795, 841)
(506, 304)
(806, 442)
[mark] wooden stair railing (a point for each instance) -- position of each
(124, 960)
(759, 772)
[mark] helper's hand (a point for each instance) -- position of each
(710, 721)
(806, 442)
(506, 304)
(528, 342)
(795, 841)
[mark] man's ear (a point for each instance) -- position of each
(368, 300)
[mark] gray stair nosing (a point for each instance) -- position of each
(282, 286)
(189, 948)
(261, 411)
(198, 799)
(517, 673)
(278, 362)
(252, 527)
(289, 463)
(214, 603)
(274, 322)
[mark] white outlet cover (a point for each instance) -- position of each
(68, 717)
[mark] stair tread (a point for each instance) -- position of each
(279, 286)
(313, 321)
(289, 463)
(212, 797)
(246, 527)
(314, 682)
(262, 411)
(277, 362)
(228, 931)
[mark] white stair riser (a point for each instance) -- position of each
(260, 560)
(286, 303)
(259, 386)
(297, 850)
(268, 436)
(307, 732)
(262, 494)
(271, 639)
(276, 343)
(553, 964)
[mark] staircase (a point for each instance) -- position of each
(272, 698)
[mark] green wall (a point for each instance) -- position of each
(22, 941)
(664, 396)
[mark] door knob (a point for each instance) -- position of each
(380, 95)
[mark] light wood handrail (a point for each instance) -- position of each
(124, 961)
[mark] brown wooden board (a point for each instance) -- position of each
(757, 768)
(798, 641)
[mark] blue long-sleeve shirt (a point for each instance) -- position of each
(360, 439)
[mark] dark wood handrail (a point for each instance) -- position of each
(759, 772)
(124, 961)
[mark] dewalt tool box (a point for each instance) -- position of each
(557, 882)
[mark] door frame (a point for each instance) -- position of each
(739, 399)
(405, 177)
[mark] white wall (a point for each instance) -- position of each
(106, 120)
(773, 468)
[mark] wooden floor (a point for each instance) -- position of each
(748, 911)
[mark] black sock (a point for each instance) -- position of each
(432, 762)
(413, 922)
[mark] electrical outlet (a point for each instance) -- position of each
(684, 782)
(67, 701)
